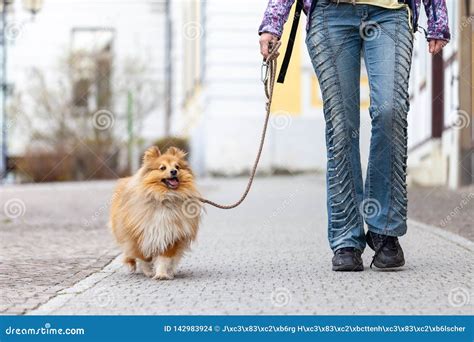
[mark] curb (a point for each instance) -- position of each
(452, 237)
(69, 293)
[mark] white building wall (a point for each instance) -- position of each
(139, 33)
(434, 161)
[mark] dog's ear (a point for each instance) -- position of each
(151, 153)
(174, 151)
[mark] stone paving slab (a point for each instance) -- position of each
(452, 210)
(51, 237)
(270, 256)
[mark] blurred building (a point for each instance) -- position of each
(206, 61)
(441, 116)
(223, 99)
(112, 31)
(224, 104)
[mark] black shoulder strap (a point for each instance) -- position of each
(291, 42)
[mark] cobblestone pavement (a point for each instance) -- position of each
(269, 256)
(51, 237)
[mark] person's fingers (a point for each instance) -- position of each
(267, 43)
(440, 44)
(272, 45)
(436, 45)
(264, 49)
(432, 45)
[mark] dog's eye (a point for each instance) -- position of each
(163, 168)
(177, 167)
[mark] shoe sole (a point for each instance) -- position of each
(388, 266)
(345, 268)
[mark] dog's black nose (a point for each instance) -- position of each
(174, 172)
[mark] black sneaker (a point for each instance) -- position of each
(347, 259)
(388, 252)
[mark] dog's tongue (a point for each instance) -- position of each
(173, 182)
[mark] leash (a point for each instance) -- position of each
(268, 75)
(291, 40)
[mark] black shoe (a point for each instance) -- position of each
(347, 259)
(388, 252)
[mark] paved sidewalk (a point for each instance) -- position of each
(452, 210)
(270, 256)
(51, 237)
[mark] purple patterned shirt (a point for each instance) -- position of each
(278, 10)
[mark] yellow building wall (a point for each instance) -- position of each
(287, 96)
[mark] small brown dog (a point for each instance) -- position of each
(155, 213)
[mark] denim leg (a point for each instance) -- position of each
(334, 45)
(387, 56)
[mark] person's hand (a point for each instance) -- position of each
(265, 40)
(436, 45)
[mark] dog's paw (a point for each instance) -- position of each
(148, 274)
(130, 263)
(132, 268)
(147, 271)
(163, 276)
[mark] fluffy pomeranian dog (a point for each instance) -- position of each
(155, 213)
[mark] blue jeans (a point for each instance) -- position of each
(339, 34)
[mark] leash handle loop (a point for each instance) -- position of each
(291, 41)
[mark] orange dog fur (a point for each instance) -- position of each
(155, 213)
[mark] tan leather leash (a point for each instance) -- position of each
(269, 67)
